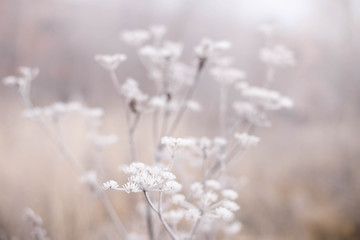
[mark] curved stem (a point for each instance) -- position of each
(159, 213)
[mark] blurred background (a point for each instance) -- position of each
(304, 177)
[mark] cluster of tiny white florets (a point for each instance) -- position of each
(267, 99)
(251, 113)
(131, 91)
(145, 178)
(172, 144)
(247, 140)
(110, 62)
(22, 83)
(209, 200)
(212, 202)
(207, 146)
(209, 48)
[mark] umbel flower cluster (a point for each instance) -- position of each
(186, 191)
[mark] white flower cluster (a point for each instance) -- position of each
(267, 99)
(23, 82)
(172, 144)
(132, 93)
(207, 146)
(146, 178)
(278, 55)
(247, 140)
(110, 62)
(209, 48)
(211, 202)
(251, 113)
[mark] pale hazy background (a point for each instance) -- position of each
(304, 177)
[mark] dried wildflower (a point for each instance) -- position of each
(146, 178)
(231, 205)
(22, 84)
(213, 184)
(229, 194)
(247, 140)
(267, 99)
(251, 113)
(224, 213)
(208, 198)
(110, 62)
(111, 184)
(173, 144)
(130, 90)
(192, 214)
(208, 48)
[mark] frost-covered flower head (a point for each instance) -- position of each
(214, 202)
(172, 144)
(278, 55)
(146, 178)
(208, 48)
(267, 99)
(110, 62)
(133, 95)
(247, 140)
(135, 37)
(227, 75)
(22, 83)
(208, 146)
(251, 113)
